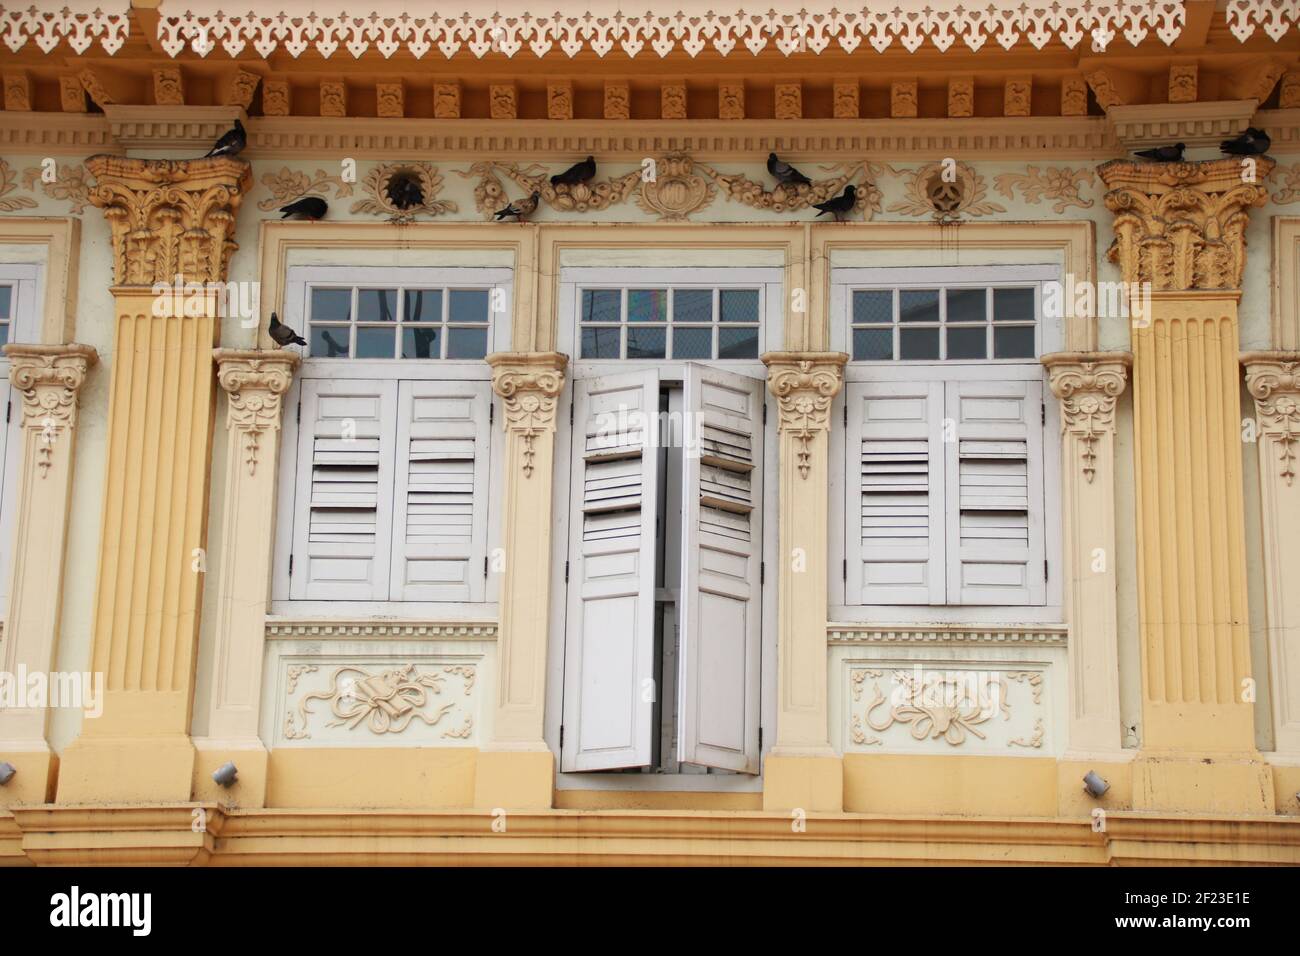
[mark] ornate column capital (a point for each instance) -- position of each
(1273, 380)
(49, 378)
(170, 217)
(1181, 226)
(528, 383)
(805, 384)
(255, 382)
(1088, 384)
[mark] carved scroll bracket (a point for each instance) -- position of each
(1273, 380)
(805, 384)
(255, 382)
(1088, 385)
(49, 378)
(529, 384)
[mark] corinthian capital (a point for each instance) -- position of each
(49, 379)
(1182, 226)
(1273, 380)
(170, 217)
(1088, 384)
(255, 382)
(528, 383)
(805, 384)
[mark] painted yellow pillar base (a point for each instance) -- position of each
(514, 779)
(38, 769)
(1212, 783)
(251, 763)
(153, 769)
(1286, 786)
(1073, 801)
(814, 784)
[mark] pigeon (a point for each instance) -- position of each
(1163, 154)
(231, 142)
(1253, 142)
(308, 207)
(577, 173)
(840, 204)
(520, 209)
(281, 334)
(784, 173)
(405, 192)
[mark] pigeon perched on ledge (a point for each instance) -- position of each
(308, 207)
(1163, 154)
(1253, 142)
(784, 173)
(231, 143)
(520, 209)
(577, 173)
(838, 206)
(281, 334)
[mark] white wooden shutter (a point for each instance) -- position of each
(440, 500)
(610, 638)
(722, 546)
(8, 479)
(995, 496)
(894, 456)
(343, 506)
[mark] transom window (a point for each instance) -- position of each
(944, 323)
(404, 322)
(673, 322)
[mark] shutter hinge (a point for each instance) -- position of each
(566, 572)
(845, 411)
(764, 411)
(762, 571)
(9, 410)
(485, 566)
(760, 739)
(1044, 569)
(561, 736)
(844, 569)
(570, 413)
(298, 416)
(291, 565)
(1043, 407)
(492, 412)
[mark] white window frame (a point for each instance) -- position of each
(1050, 337)
(300, 280)
(771, 334)
(26, 279)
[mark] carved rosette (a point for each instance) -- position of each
(255, 383)
(1182, 226)
(805, 384)
(49, 379)
(1088, 385)
(1273, 380)
(170, 217)
(529, 384)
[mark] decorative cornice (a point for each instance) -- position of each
(79, 23)
(49, 378)
(170, 217)
(307, 629)
(1088, 384)
(1045, 635)
(1181, 226)
(1273, 380)
(170, 126)
(804, 384)
(255, 382)
(1193, 124)
(529, 383)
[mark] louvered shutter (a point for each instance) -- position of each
(343, 508)
(722, 546)
(995, 497)
(894, 455)
(440, 496)
(610, 636)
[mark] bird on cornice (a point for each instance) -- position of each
(231, 143)
(1253, 142)
(838, 206)
(784, 173)
(308, 207)
(281, 334)
(1162, 154)
(581, 172)
(520, 209)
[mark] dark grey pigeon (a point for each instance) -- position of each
(520, 209)
(231, 143)
(1253, 142)
(577, 173)
(784, 173)
(281, 334)
(1163, 154)
(405, 192)
(838, 206)
(308, 207)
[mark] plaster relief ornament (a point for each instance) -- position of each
(8, 185)
(941, 704)
(944, 191)
(793, 197)
(387, 702)
(1088, 391)
(402, 191)
(1273, 380)
(71, 184)
(676, 191)
(490, 193)
(1063, 186)
(289, 185)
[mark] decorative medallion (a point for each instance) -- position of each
(425, 182)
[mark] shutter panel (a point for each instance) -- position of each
(722, 546)
(343, 506)
(995, 497)
(610, 640)
(894, 454)
(440, 496)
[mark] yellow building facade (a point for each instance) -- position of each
(674, 522)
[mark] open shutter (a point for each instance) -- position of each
(343, 507)
(894, 456)
(722, 547)
(610, 636)
(440, 499)
(995, 498)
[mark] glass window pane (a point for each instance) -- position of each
(873, 307)
(331, 305)
(600, 343)
(692, 343)
(967, 343)
(870, 345)
(376, 305)
(422, 305)
(1015, 341)
(601, 305)
(422, 342)
(966, 305)
(6, 300)
(692, 305)
(375, 343)
(4, 332)
(738, 343)
(466, 343)
(918, 344)
(738, 305)
(647, 305)
(919, 305)
(327, 342)
(468, 305)
(1013, 305)
(648, 342)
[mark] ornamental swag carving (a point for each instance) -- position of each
(256, 385)
(49, 378)
(529, 395)
(1274, 383)
(1088, 389)
(804, 391)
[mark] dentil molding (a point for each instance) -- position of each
(1088, 385)
(1273, 380)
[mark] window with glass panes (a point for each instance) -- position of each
(944, 323)
(670, 322)
(402, 322)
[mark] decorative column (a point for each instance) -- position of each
(169, 219)
(516, 769)
(48, 379)
(255, 383)
(1273, 380)
(1181, 228)
(803, 770)
(1088, 385)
